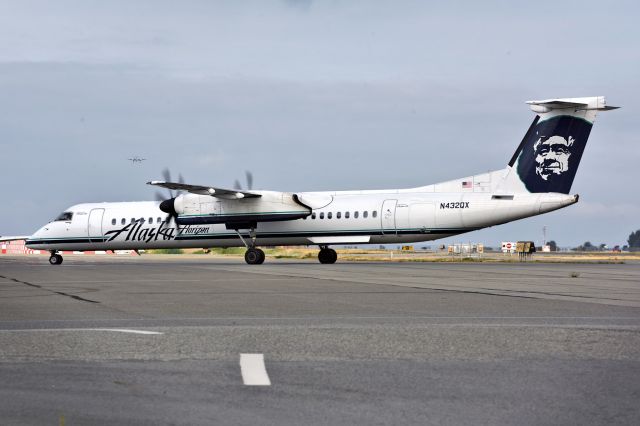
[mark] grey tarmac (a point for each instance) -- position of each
(350, 343)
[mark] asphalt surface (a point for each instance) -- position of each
(158, 340)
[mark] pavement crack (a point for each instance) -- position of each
(60, 293)
(485, 292)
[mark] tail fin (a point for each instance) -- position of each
(548, 156)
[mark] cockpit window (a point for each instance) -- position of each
(65, 217)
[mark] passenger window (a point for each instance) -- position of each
(355, 214)
(133, 219)
(322, 215)
(365, 214)
(150, 220)
(313, 215)
(329, 215)
(338, 215)
(374, 213)
(158, 220)
(123, 221)
(346, 215)
(113, 221)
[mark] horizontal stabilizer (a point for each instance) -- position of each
(596, 103)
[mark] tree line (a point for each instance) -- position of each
(633, 244)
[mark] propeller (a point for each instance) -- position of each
(249, 178)
(167, 204)
(166, 174)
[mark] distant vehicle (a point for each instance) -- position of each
(536, 180)
(135, 160)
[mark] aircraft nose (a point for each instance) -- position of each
(41, 232)
(38, 235)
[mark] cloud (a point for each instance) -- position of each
(299, 4)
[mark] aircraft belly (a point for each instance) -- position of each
(407, 238)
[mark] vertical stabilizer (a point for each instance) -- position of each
(550, 152)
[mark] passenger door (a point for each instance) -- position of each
(388, 217)
(94, 228)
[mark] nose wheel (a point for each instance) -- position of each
(327, 255)
(55, 259)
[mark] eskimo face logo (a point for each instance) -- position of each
(552, 155)
(551, 152)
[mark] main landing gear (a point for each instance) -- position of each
(327, 255)
(55, 258)
(253, 255)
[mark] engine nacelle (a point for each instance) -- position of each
(194, 209)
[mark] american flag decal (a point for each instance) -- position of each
(467, 184)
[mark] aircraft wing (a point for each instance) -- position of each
(206, 190)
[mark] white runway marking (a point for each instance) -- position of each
(117, 330)
(123, 330)
(254, 373)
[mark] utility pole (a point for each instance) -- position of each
(544, 235)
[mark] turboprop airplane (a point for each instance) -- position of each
(536, 180)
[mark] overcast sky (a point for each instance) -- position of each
(310, 95)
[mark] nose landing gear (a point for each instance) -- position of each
(327, 255)
(55, 258)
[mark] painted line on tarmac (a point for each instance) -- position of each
(122, 330)
(123, 281)
(254, 372)
(115, 330)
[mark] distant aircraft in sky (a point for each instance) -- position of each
(135, 160)
(536, 180)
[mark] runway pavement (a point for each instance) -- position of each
(200, 340)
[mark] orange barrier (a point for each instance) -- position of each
(18, 247)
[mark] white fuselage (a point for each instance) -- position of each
(350, 217)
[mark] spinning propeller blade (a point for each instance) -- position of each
(249, 178)
(167, 205)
